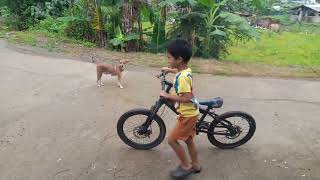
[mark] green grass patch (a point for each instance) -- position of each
(2, 34)
(306, 28)
(44, 39)
(195, 68)
(24, 37)
(285, 49)
(48, 34)
(3, 29)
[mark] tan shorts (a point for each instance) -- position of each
(184, 129)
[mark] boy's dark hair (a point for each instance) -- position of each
(180, 48)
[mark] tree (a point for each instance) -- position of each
(87, 21)
(131, 14)
(2, 3)
(98, 24)
(210, 29)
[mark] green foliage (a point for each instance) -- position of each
(158, 39)
(27, 13)
(10, 20)
(2, 3)
(52, 25)
(120, 39)
(80, 28)
(206, 23)
(210, 30)
(245, 6)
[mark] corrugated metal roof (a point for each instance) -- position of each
(315, 7)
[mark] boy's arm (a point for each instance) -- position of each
(169, 70)
(182, 98)
(184, 91)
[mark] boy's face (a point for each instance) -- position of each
(174, 63)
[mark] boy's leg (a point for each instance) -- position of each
(178, 149)
(193, 153)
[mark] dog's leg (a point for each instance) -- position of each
(99, 75)
(119, 82)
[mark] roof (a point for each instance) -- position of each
(315, 7)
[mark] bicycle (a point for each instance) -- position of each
(152, 123)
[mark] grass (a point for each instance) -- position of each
(272, 56)
(24, 38)
(282, 50)
(42, 39)
(3, 29)
(2, 34)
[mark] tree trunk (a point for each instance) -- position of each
(100, 37)
(141, 40)
(127, 25)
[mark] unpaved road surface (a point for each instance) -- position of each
(55, 124)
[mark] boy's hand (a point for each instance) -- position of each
(165, 69)
(164, 94)
(169, 70)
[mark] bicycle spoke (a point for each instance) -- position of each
(235, 122)
(131, 124)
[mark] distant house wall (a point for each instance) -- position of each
(315, 18)
(294, 17)
(305, 14)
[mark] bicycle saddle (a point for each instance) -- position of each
(213, 103)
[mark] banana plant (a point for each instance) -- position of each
(90, 10)
(212, 28)
(159, 26)
(121, 39)
(210, 19)
(98, 24)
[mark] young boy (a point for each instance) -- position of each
(179, 53)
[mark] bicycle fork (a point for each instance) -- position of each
(153, 111)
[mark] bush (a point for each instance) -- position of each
(10, 20)
(27, 13)
(73, 27)
(52, 25)
(80, 29)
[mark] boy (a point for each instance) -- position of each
(179, 53)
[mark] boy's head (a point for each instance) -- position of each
(179, 51)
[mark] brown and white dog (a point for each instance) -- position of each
(113, 70)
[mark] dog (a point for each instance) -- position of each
(113, 70)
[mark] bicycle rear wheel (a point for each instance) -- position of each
(243, 124)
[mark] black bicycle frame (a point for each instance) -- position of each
(162, 101)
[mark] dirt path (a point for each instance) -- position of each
(56, 124)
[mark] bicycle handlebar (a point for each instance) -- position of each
(164, 82)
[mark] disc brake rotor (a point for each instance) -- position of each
(235, 135)
(137, 132)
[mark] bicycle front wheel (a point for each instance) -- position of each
(129, 128)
